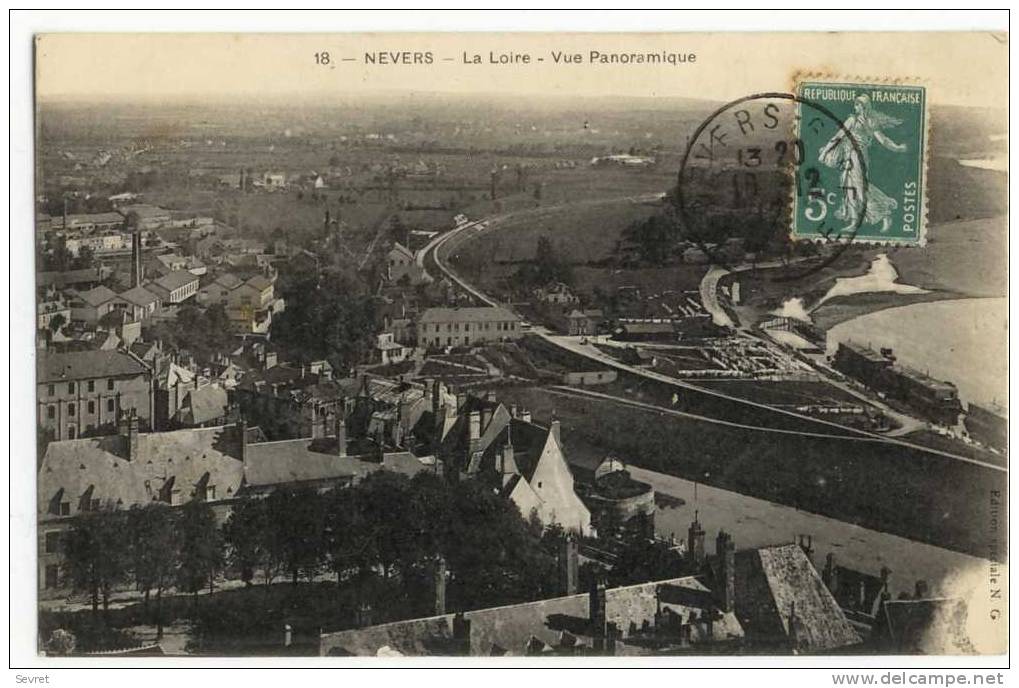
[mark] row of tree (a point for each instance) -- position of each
(388, 527)
(394, 527)
(155, 547)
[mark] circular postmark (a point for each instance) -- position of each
(747, 184)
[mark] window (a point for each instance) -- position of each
(210, 493)
(91, 385)
(91, 407)
(52, 575)
(70, 409)
(65, 508)
(109, 405)
(109, 385)
(50, 390)
(72, 432)
(51, 412)
(70, 388)
(52, 542)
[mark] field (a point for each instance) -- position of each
(786, 393)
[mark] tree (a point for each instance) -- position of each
(332, 317)
(645, 560)
(55, 323)
(551, 267)
(655, 237)
(493, 556)
(96, 555)
(202, 331)
(153, 552)
(201, 547)
(385, 503)
(85, 258)
(297, 520)
(246, 534)
(349, 543)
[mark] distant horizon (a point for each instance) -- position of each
(304, 99)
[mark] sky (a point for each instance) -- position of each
(957, 68)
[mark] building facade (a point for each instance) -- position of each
(82, 392)
(466, 326)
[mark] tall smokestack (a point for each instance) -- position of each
(136, 252)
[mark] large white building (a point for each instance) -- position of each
(466, 326)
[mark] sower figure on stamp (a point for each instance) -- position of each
(865, 125)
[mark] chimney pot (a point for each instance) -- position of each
(474, 426)
(129, 427)
(725, 551)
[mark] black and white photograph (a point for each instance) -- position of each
(516, 346)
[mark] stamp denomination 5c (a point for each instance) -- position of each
(881, 200)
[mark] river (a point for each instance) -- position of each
(963, 341)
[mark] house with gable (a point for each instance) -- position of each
(479, 438)
(401, 264)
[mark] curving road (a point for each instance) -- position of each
(432, 257)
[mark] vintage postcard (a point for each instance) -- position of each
(521, 345)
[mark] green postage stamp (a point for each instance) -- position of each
(863, 174)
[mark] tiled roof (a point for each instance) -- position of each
(69, 277)
(473, 314)
(139, 296)
(260, 282)
(166, 461)
(228, 280)
(204, 405)
(98, 295)
(81, 365)
(175, 280)
(779, 595)
(303, 460)
(511, 629)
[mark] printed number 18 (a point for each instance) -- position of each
(322, 58)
